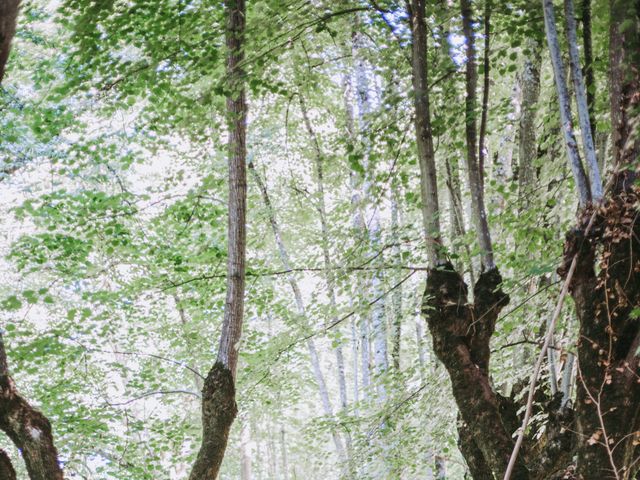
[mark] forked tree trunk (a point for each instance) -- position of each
(606, 285)
(218, 395)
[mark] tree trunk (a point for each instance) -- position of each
(6, 467)
(311, 346)
(606, 285)
(582, 185)
(28, 429)
(424, 135)
(218, 395)
(527, 146)
(589, 77)
(8, 15)
(372, 221)
(475, 176)
(329, 276)
(581, 102)
(482, 148)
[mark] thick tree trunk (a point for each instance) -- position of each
(28, 429)
(8, 15)
(606, 286)
(218, 395)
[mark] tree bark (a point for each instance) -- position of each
(527, 146)
(6, 467)
(218, 395)
(473, 170)
(424, 134)
(28, 429)
(482, 148)
(8, 15)
(575, 162)
(606, 285)
(589, 77)
(582, 103)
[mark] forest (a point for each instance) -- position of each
(315, 240)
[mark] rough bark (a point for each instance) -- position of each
(6, 467)
(8, 15)
(461, 334)
(424, 135)
(473, 169)
(606, 285)
(30, 431)
(218, 394)
(624, 41)
(218, 413)
(564, 101)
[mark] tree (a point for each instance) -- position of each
(218, 394)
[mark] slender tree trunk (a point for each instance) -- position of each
(396, 298)
(482, 148)
(424, 135)
(475, 178)
(311, 346)
(582, 185)
(581, 102)
(283, 448)
(329, 276)
(245, 452)
(372, 221)
(218, 395)
(357, 222)
(528, 147)
(589, 77)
